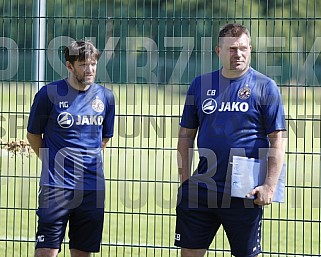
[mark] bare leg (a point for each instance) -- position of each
(46, 252)
(192, 252)
(77, 253)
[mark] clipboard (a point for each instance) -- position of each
(248, 173)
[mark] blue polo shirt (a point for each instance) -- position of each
(73, 124)
(233, 117)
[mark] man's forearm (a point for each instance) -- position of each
(185, 152)
(104, 142)
(184, 158)
(35, 142)
(275, 163)
(275, 160)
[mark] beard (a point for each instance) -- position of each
(83, 80)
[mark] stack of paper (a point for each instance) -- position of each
(248, 173)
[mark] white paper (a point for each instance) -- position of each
(248, 173)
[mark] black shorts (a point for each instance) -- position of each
(200, 213)
(84, 210)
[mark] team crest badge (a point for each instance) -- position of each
(98, 105)
(244, 92)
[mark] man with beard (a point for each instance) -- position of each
(71, 121)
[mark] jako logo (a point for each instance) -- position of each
(234, 107)
(65, 120)
(209, 106)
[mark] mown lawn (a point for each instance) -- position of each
(142, 180)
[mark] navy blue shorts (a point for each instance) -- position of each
(200, 213)
(84, 210)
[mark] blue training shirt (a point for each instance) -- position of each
(73, 124)
(233, 117)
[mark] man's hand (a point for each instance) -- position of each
(264, 195)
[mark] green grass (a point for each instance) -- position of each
(142, 180)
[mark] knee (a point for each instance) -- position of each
(192, 252)
(46, 252)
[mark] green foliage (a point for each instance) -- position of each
(156, 19)
(88, 17)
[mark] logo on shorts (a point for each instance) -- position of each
(177, 237)
(209, 106)
(41, 239)
(65, 120)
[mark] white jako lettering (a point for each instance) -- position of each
(234, 107)
(89, 120)
(244, 107)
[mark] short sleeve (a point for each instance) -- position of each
(273, 109)
(109, 120)
(190, 117)
(39, 112)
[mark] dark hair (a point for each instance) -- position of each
(80, 51)
(233, 30)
